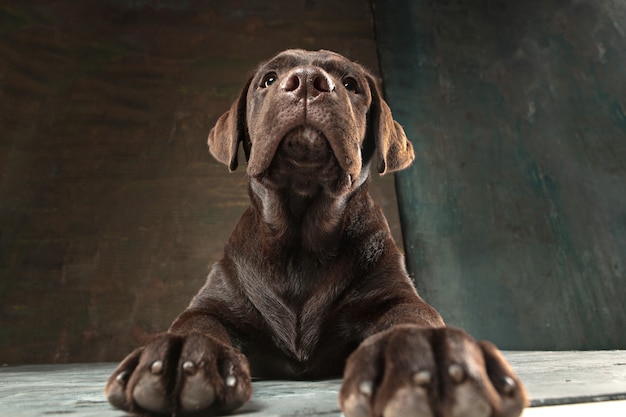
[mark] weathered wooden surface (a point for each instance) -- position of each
(514, 212)
(111, 208)
(551, 378)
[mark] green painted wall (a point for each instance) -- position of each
(514, 212)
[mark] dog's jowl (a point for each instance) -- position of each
(311, 283)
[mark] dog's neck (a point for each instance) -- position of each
(310, 223)
(298, 205)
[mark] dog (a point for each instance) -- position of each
(311, 284)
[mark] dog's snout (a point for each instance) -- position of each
(308, 81)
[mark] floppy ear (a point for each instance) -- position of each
(229, 131)
(395, 152)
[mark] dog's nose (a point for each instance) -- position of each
(307, 82)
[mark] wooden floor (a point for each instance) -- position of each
(560, 384)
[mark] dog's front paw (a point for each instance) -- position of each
(412, 372)
(179, 375)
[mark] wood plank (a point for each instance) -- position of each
(604, 409)
(550, 377)
(571, 377)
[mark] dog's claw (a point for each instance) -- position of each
(122, 377)
(231, 381)
(508, 385)
(156, 368)
(366, 388)
(189, 368)
(456, 372)
(423, 378)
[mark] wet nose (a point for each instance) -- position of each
(307, 82)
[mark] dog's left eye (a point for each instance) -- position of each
(268, 79)
(350, 84)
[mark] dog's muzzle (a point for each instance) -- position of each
(305, 146)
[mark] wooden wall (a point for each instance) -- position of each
(111, 209)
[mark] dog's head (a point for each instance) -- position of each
(315, 116)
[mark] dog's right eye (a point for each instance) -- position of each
(350, 84)
(268, 79)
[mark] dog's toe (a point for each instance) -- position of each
(409, 402)
(197, 392)
(115, 390)
(357, 405)
(150, 392)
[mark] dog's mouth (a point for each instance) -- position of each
(304, 147)
(304, 163)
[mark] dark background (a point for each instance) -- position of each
(112, 210)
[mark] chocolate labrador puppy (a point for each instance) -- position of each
(311, 283)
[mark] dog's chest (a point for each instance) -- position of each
(295, 305)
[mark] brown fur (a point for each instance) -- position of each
(311, 282)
